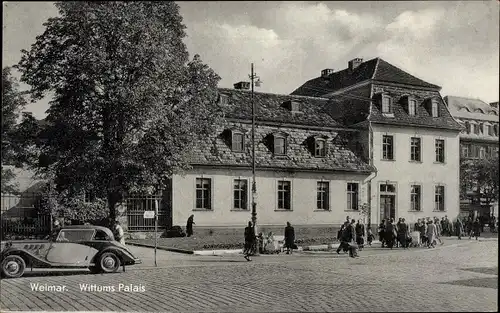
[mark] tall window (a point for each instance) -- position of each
(440, 150)
(238, 142)
(467, 127)
(279, 145)
(412, 107)
(439, 198)
(386, 104)
(416, 193)
(435, 112)
(415, 149)
(481, 128)
(476, 129)
(388, 147)
(495, 130)
(284, 193)
(490, 130)
(466, 151)
(240, 194)
(352, 196)
(323, 196)
(204, 193)
(320, 147)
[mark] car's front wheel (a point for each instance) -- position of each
(109, 262)
(13, 266)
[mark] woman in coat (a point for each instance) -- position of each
(431, 234)
(189, 225)
(459, 228)
(289, 238)
(249, 241)
(476, 228)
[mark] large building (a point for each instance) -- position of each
(305, 171)
(478, 139)
(406, 133)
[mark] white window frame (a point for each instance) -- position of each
(211, 190)
(235, 133)
(434, 108)
(392, 147)
(419, 149)
(275, 140)
(350, 194)
(412, 193)
(245, 192)
(412, 107)
(443, 196)
(387, 105)
(325, 196)
(316, 149)
(443, 149)
(278, 195)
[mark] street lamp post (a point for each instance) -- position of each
(253, 76)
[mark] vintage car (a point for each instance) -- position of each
(77, 246)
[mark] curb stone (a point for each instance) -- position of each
(159, 248)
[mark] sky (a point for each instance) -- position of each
(453, 44)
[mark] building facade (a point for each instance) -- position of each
(306, 172)
(406, 133)
(478, 140)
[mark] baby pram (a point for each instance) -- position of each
(415, 239)
(353, 250)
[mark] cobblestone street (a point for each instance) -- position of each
(459, 276)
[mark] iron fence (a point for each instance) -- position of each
(22, 216)
(136, 206)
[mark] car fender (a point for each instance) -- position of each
(122, 255)
(29, 257)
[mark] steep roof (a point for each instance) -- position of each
(470, 108)
(376, 69)
(270, 108)
(215, 151)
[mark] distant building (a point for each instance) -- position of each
(479, 138)
(407, 134)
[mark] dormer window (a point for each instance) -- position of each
(467, 127)
(412, 107)
(434, 108)
(386, 104)
(235, 138)
(279, 145)
(319, 147)
(292, 106)
(238, 141)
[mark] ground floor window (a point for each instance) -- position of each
(240, 193)
(284, 193)
(439, 198)
(415, 196)
(204, 193)
(352, 196)
(323, 196)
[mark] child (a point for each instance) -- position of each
(369, 236)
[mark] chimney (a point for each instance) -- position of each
(326, 72)
(354, 63)
(494, 105)
(242, 85)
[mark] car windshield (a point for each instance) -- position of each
(73, 235)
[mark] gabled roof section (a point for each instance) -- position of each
(213, 151)
(376, 69)
(470, 108)
(269, 108)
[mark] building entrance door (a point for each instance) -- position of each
(387, 207)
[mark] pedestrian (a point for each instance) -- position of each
(360, 234)
(402, 233)
(249, 241)
(289, 238)
(476, 228)
(369, 236)
(459, 228)
(492, 223)
(345, 237)
(390, 233)
(381, 232)
(423, 232)
(431, 234)
(189, 225)
(469, 227)
(118, 233)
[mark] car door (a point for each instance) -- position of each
(69, 248)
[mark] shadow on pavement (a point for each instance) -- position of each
(482, 270)
(490, 282)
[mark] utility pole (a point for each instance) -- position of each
(253, 76)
